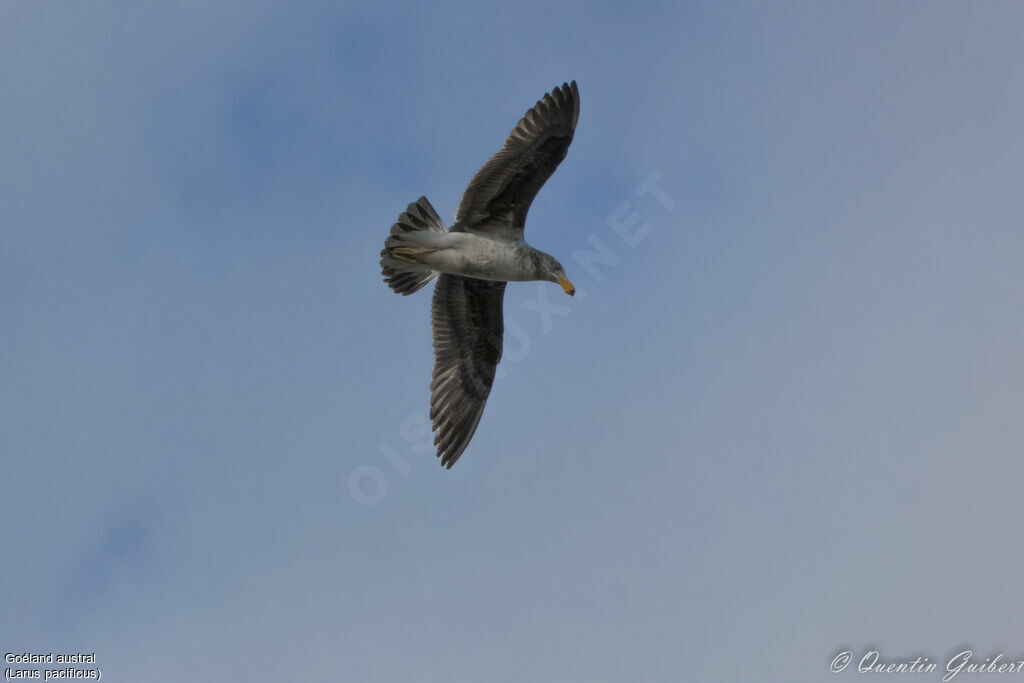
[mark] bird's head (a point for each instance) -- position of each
(552, 271)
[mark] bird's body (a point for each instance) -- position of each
(474, 254)
(475, 259)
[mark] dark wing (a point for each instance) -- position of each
(501, 192)
(468, 330)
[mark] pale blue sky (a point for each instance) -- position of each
(783, 424)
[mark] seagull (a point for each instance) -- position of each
(482, 252)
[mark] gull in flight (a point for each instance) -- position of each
(482, 252)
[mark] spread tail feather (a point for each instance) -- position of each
(397, 260)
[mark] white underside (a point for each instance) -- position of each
(472, 255)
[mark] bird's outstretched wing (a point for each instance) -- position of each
(468, 328)
(501, 192)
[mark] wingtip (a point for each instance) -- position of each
(572, 92)
(447, 460)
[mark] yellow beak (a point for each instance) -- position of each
(567, 286)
